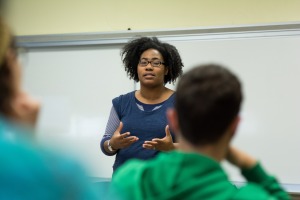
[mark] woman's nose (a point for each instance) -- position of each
(149, 66)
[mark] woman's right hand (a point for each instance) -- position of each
(120, 141)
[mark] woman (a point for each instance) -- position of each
(137, 125)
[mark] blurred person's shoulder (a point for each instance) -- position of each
(25, 167)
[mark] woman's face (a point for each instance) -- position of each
(151, 74)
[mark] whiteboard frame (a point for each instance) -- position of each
(204, 33)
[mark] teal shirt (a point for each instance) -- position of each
(28, 171)
(178, 175)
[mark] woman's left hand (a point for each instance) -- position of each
(161, 144)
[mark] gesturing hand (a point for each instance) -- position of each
(163, 144)
(119, 141)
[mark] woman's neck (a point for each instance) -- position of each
(153, 95)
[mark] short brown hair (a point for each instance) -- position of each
(208, 98)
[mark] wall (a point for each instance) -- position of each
(32, 17)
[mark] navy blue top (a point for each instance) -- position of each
(146, 125)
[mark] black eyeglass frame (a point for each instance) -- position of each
(151, 63)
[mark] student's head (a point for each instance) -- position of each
(208, 100)
(133, 50)
(9, 70)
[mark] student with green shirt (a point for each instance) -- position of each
(204, 119)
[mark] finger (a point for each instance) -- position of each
(157, 140)
(130, 139)
(150, 143)
(125, 135)
(134, 139)
(167, 130)
(148, 146)
(128, 143)
(119, 129)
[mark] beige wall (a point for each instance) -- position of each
(31, 17)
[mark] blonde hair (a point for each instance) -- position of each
(5, 38)
(7, 89)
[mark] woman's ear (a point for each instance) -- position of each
(166, 71)
(173, 120)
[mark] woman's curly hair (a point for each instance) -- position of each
(133, 50)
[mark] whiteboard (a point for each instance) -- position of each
(269, 69)
(77, 84)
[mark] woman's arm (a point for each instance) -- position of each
(111, 126)
(113, 136)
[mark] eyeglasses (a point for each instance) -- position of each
(154, 63)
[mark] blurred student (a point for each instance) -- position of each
(28, 171)
(205, 119)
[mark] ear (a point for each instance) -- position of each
(234, 124)
(166, 71)
(173, 120)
